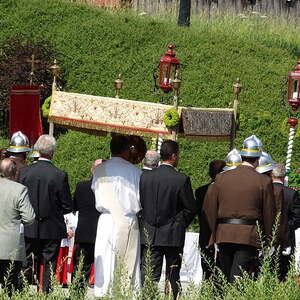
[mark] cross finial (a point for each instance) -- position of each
(32, 61)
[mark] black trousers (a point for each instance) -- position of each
(45, 253)
(208, 262)
(173, 257)
(9, 275)
(236, 258)
(284, 266)
(86, 250)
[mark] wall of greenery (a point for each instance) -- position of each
(93, 45)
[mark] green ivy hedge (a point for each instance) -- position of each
(94, 45)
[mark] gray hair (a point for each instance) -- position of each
(45, 145)
(279, 171)
(151, 159)
(8, 168)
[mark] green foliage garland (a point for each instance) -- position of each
(46, 107)
(171, 117)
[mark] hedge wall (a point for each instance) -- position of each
(94, 45)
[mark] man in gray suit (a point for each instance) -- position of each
(15, 209)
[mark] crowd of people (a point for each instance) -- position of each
(126, 213)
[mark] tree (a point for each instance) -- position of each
(184, 15)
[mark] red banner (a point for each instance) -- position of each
(25, 113)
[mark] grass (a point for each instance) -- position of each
(264, 287)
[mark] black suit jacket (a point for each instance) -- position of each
(50, 197)
(204, 232)
(84, 203)
(292, 204)
(168, 206)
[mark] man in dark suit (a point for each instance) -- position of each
(291, 210)
(85, 235)
(237, 200)
(207, 261)
(168, 207)
(50, 197)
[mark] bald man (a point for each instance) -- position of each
(15, 209)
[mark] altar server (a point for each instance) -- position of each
(64, 264)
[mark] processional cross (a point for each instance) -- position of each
(32, 61)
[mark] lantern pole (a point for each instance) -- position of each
(237, 87)
(176, 86)
(294, 102)
(292, 122)
(159, 143)
(118, 85)
(55, 69)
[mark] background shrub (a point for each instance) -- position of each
(93, 45)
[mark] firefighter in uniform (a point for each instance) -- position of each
(234, 204)
(17, 150)
(233, 160)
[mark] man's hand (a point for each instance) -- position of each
(70, 234)
(287, 251)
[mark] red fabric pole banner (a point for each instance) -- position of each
(25, 113)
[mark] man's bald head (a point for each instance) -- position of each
(8, 168)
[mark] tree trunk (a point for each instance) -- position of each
(184, 13)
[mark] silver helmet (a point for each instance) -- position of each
(252, 147)
(259, 143)
(265, 163)
(18, 143)
(233, 160)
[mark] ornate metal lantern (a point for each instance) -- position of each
(294, 87)
(168, 66)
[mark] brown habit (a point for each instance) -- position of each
(241, 193)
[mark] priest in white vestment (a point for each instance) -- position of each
(116, 187)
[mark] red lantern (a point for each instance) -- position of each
(294, 87)
(168, 65)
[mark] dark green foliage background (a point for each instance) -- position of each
(94, 45)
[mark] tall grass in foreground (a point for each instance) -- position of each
(264, 287)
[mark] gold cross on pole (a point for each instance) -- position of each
(32, 61)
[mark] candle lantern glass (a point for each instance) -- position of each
(294, 87)
(168, 66)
